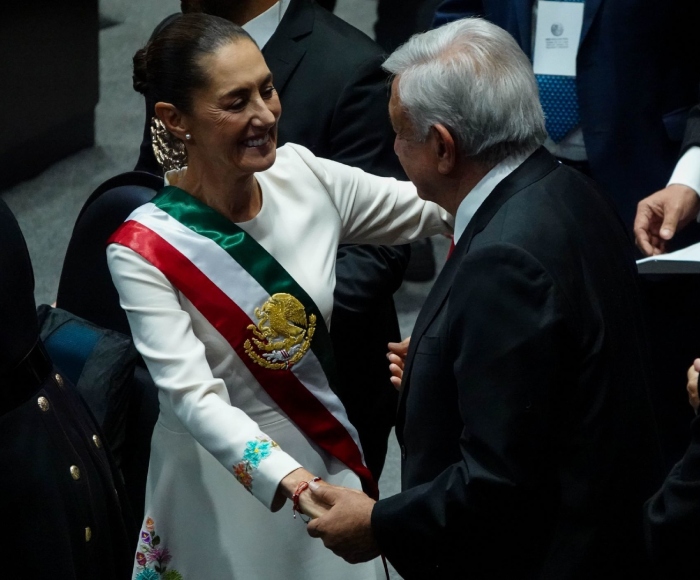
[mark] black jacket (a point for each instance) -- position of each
(527, 438)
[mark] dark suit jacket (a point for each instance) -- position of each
(528, 444)
(334, 98)
(673, 516)
(637, 76)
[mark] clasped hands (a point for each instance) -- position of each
(341, 517)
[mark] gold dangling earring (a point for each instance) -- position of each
(170, 152)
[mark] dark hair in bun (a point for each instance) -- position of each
(168, 68)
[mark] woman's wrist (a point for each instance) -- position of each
(296, 499)
(291, 481)
(288, 485)
(296, 483)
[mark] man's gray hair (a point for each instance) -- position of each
(471, 77)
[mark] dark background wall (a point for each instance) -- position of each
(50, 83)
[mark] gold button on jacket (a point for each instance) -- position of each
(75, 472)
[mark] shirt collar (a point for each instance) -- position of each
(263, 26)
(472, 202)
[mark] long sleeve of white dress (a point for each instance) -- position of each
(375, 210)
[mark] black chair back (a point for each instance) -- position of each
(86, 288)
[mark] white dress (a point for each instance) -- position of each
(200, 523)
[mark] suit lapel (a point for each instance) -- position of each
(534, 168)
(283, 51)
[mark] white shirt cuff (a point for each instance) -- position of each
(687, 171)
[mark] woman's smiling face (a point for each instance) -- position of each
(233, 120)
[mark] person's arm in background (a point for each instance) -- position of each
(663, 213)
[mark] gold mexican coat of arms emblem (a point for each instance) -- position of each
(283, 333)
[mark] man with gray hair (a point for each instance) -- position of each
(527, 439)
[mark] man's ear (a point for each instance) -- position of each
(172, 118)
(445, 148)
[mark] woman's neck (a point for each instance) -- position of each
(239, 198)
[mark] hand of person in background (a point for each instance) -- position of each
(661, 214)
(397, 357)
(692, 386)
(346, 529)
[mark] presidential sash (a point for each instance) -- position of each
(269, 320)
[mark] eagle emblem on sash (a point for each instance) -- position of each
(283, 333)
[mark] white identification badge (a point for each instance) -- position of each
(557, 37)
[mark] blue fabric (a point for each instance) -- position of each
(559, 102)
(71, 345)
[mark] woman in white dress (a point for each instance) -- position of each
(227, 279)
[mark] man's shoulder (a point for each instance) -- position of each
(554, 218)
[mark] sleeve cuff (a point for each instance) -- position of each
(263, 466)
(687, 171)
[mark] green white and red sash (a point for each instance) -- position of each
(226, 275)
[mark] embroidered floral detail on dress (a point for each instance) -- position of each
(152, 559)
(255, 451)
(242, 474)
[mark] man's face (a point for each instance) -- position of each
(416, 156)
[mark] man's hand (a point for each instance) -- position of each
(661, 214)
(693, 384)
(346, 528)
(397, 357)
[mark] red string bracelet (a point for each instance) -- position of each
(303, 486)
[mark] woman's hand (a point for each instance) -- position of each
(693, 384)
(309, 504)
(397, 357)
